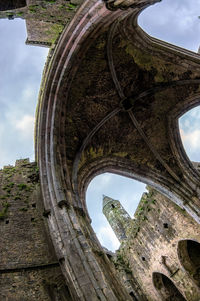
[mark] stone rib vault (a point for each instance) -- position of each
(110, 101)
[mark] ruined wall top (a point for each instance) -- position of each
(45, 19)
(29, 268)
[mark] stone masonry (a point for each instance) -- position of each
(117, 216)
(156, 245)
(110, 101)
(29, 269)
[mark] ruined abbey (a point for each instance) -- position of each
(109, 101)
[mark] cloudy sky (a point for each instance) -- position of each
(21, 69)
(175, 21)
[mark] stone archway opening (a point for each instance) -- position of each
(189, 125)
(127, 191)
(166, 288)
(11, 4)
(189, 256)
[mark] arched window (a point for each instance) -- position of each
(189, 256)
(166, 288)
(126, 190)
(190, 133)
(11, 4)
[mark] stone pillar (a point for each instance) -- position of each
(117, 217)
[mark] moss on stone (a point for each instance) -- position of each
(22, 186)
(23, 209)
(9, 170)
(71, 6)
(162, 71)
(54, 32)
(4, 211)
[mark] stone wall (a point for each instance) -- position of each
(156, 251)
(159, 243)
(29, 269)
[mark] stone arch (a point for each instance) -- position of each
(123, 167)
(58, 144)
(189, 256)
(11, 4)
(185, 164)
(85, 266)
(166, 288)
(58, 112)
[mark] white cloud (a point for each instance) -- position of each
(191, 140)
(28, 93)
(100, 182)
(189, 125)
(195, 113)
(26, 125)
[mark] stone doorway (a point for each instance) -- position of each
(166, 288)
(189, 256)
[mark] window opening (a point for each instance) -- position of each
(189, 125)
(133, 296)
(123, 195)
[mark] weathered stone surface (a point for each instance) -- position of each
(154, 246)
(29, 269)
(117, 217)
(110, 100)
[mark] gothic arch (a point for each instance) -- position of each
(186, 191)
(86, 117)
(166, 288)
(185, 164)
(189, 256)
(122, 167)
(85, 271)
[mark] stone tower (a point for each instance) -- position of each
(117, 217)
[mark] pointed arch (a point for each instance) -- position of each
(166, 288)
(189, 256)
